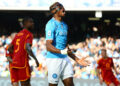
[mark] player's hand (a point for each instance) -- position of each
(82, 62)
(37, 63)
(69, 51)
(117, 72)
(101, 81)
(9, 59)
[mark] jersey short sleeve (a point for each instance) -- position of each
(50, 30)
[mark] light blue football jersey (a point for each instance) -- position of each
(56, 31)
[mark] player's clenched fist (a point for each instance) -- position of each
(101, 81)
(81, 61)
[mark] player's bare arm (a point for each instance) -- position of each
(114, 68)
(9, 59)
(29, 51)
(10, 49)
(51, 48)
(81, 61)
(99, 76)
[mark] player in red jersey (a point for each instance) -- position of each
(8, 54)
(21, 47)
(104, 70)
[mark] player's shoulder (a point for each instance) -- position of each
(50, 24)
(20, 33)
(28, 34)
(109, 58)
(51, 21)
(24, 33)
(99, 60)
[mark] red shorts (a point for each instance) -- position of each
(112, 80)
(20, 74)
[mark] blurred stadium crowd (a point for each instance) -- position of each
(89, 49)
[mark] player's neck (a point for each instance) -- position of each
(26, 29)
(105, 57)
(58, 18)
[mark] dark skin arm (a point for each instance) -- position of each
(9, 59)
(50, 47)
(99, 75)
(70, 54)
(29, 51)
(10, 49)
(81, 61)
(114, 68)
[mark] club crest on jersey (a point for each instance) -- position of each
(63, 33)
(54, 76)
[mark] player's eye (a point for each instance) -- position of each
(63, 10)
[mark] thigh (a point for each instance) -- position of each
(111, 84)
(15, 84)
(54, 70)
(25, 83)
(14, 76)
(52, 84)
(68, 69)
(24, 74)
(68, 82)
(116, 81)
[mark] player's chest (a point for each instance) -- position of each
(61, 30)
(106, 64)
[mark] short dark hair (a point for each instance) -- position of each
(53, 7)
(26, 19)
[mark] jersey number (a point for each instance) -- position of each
(17, 43)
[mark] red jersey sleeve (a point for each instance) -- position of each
(29, 38)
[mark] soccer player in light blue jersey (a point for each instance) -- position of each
(58, 64)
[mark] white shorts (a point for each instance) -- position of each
(59, 68)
